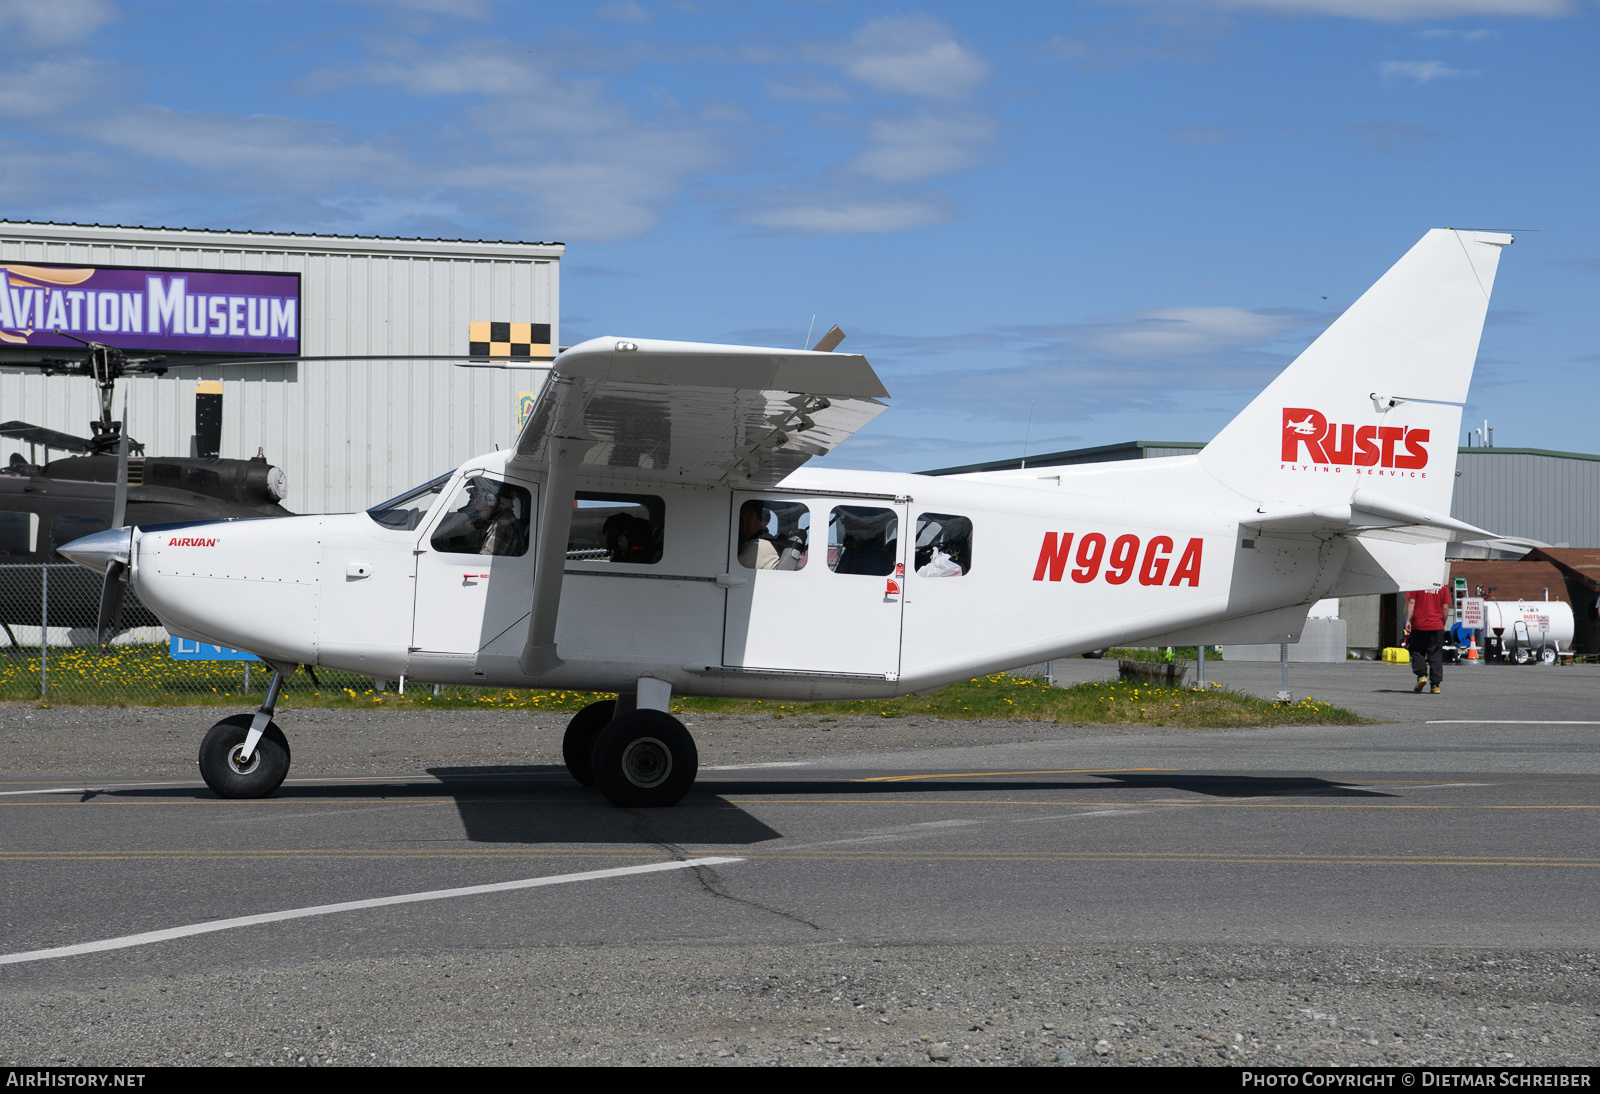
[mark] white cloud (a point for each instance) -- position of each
(623, 11)
(912, 55)
(908, 148)
(834, 214)
(45, 24)
(1383, 11)
(1420, 71)
(1183, 332)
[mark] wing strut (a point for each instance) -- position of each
(555, 521)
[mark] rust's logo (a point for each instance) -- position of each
(191, 541)
(1326, 442)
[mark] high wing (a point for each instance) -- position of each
(682, 412)
(697, 412)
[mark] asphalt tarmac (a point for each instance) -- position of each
(1416, 890)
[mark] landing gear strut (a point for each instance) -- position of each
(632, 749)
(247, 755)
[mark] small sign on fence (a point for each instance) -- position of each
(185, 649)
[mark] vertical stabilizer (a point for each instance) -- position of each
(1375, 402)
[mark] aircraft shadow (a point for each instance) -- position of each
(533, 804)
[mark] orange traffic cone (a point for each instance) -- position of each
(1472, 648)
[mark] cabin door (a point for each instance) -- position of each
(475, 565)
(823, 581)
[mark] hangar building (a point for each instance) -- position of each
(347, 433)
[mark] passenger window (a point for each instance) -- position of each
(406, 512)
(64, 528)
(19, 534)
(486, 517)
(863, 540)
(617, 528)
(774, 535)
(944, 545)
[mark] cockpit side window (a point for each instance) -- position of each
(944, 545)
(486, 517)
(407, 512)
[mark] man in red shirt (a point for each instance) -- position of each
(1425, 612)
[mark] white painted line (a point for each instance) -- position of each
(348, 906)
(746, 767)
(1501, 722)
(56, 790)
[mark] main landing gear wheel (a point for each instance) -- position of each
(645, 758)
(231, 777)
(577, 747)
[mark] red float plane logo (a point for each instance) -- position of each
(190, 541)
(1336, 443)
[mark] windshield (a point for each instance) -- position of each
(406, 512)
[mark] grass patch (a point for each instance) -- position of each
(146, 676)
(1159, 653)
(1114, 702)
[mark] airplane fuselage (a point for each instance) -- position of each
(1048, 563)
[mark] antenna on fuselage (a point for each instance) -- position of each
(1028, 433)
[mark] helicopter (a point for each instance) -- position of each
(105, 480)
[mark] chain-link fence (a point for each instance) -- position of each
(49, 649)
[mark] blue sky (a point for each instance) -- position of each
(1122, 217)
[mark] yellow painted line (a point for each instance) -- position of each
(993, 774)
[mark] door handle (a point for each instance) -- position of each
(729, 581)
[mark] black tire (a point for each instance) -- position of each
(577, 747)
(1095, 655)
(266, 770)
(645, 758)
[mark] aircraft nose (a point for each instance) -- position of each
(97, 551)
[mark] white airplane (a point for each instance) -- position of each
(654, 531)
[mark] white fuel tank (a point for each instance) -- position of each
(1526, 628)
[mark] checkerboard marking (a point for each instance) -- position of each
(485, 339)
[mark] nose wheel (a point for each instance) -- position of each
(229, 771)
(247, 755)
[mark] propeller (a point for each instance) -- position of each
(829, 341)
(115, 586)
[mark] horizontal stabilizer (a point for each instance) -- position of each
(1371, 516)
(699, 413)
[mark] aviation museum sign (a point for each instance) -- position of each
(194, 311)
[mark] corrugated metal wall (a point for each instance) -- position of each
(1546, 496)
(348, 434)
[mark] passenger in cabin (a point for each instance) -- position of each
(868, 540)
(759, 548)
(629, 539)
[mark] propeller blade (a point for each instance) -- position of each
(828, 341)
(111, 594)
(119, 506)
